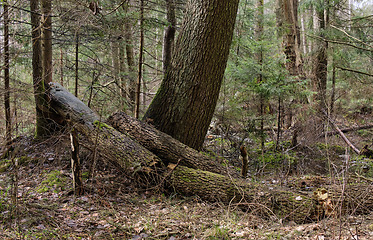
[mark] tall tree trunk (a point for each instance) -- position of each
(46, 32)
(259, 60)
(8, 121)
(76, 63)
(321, 63)
(114, 45)
(291, 35)
(169, 35)
(186, 100)
(130, 58)
(41, 125)
(141, 53)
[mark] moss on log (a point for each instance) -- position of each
(268, 201)
(117, 147)
(167, 148)
(128, 155)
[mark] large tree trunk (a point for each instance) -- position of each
(273, 201)
(37, 69)
(320, 67)
(131, 158)
(46, 32)
(186, 99)
(169, 35)
(167, 148)
(288, 23)
(131, 90)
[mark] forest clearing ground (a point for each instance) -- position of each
(112, 208)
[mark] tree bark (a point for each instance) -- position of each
(118, 148)
(130, 57)
(164, 146)
(46, 32)
(320, 68)
(169, 35)
(186, 100)
(141, 54)
(272, 201)
(8, 121)
(288, 23)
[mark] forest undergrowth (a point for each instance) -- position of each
(112, 207)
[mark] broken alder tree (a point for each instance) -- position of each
(137, 149)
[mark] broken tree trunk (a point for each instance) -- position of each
(167, 148)
(342, 135)
(117, 147)
(273, 201)
(268, 200)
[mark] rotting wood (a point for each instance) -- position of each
(167, 148)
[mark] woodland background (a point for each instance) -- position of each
(291, 64)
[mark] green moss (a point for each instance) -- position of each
(54, 181)
(4, 165)
(101, 125)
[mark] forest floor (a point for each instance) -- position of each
(112, 208)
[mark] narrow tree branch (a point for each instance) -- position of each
(355, 71)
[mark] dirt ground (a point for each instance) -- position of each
(113, 208)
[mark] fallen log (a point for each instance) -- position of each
(351, 129)
(274, 201)
(167, 148)
(118, 148)
(131, 157)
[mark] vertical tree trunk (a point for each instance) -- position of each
(41, 126)
(169, 34)
(75, 164)
(130, 57)
(259, 60)
(332, 95)
(8, 121)
(186, 100)
(76, 63)
(46, 32)
(291, 35)
(61, 66)
(321, 64)
(141, 51)
(114, 44)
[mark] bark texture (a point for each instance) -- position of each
(320, 67)
(169, 34)
(128, 23)
(8, 121)
(185, 102)
(46, 31)
(164, 146)
(288, 23)
(118, 148)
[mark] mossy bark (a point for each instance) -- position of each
(267, 201)
(167, 148)
(117, 147)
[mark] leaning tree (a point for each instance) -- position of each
(186, 100)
